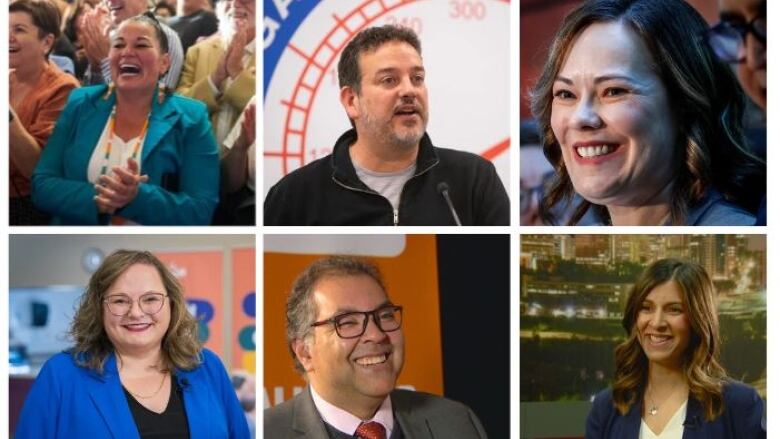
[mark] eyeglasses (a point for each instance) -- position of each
(121, 304)
(353, 324)
(727, 37)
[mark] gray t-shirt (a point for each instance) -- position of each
(388, 184)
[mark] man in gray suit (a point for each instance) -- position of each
(346, 339)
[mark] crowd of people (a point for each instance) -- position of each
(132, 112)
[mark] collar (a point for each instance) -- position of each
(344, 171)
(346, 422)
(699, 209)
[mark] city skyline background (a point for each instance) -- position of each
(573, 289)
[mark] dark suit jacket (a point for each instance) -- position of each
(419, 416)
(743, 417)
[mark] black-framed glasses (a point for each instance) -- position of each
(728, 36)
(121, 304)
(353, 324)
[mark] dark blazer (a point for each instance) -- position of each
(743, 417)
(418, 415)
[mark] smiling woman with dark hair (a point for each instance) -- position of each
(38, 91)
(137, 368)
(130, 153)
(642, 120)
(669, 382)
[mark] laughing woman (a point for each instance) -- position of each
(668, 380)
(137, 369)
(38, 91)
(130, 154)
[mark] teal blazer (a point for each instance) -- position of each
(68, 401)
(180, 156)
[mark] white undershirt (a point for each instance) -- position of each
(120, 152)
(673, 430)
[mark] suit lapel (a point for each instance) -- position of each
(198, 410)
(106, 394)
(162, 119)
(306, 419)
(412, 424)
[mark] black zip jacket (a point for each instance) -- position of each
(328, 192)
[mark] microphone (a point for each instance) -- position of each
(184, 383)
(444, 190)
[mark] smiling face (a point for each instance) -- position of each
(392, 105)
(360, 370)
(662, 325)
(25, 44)
(612, 118)
(121, 10)
(137, 330)
(751, 71)
(241, 10)
(136, 59)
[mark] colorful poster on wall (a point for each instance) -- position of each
(200, 273)
(410, 274)
(243, 338)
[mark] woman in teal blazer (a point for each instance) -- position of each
(178, 180)
(137, 369)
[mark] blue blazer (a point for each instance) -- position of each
(743, 417)
(68, 401)
(180, 156)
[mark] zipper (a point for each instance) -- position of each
(396, 213)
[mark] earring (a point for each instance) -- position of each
(162, 91)
(109, 91)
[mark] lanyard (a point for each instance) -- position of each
(136, 148)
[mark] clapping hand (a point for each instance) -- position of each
(117, 190)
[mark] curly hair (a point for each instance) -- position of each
(301, 310)
(701, 365)
(706, 99)
(180, 345)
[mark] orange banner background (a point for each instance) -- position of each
(200, 273)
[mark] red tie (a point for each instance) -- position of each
(371, 430)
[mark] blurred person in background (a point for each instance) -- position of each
(194, 20)
(739, 38)
(237, 172)
(244, 384)
(220, 70)
(38, 90)
(137, 368)
(163, 11)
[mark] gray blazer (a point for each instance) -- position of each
(419, 415)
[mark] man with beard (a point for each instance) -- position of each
(220, 70)
(345, 336)
(385, 170)
(99, 22)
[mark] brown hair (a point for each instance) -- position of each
(301, 310)
(180, 345)
(701, 364)
(44, 13)
(705, 97)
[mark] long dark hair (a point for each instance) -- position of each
(705, 96)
